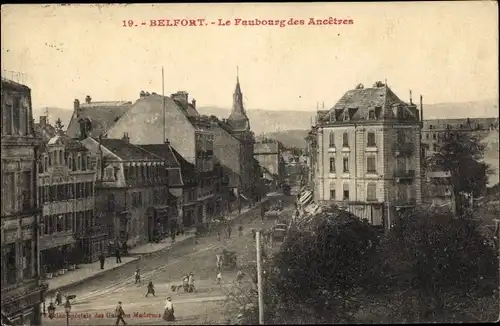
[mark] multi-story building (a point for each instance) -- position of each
(154, 119)
(22, 290)
(435, 132)
(368, 154)
(132, 197)
(66, 181)
(268, 153)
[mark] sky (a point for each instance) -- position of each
(446, 51)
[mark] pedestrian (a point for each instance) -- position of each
(218, 235)
(219, 277)
(185, 283)
(58, 298)
(137, 276)
(118, 255)
(191, 283)
(119, 314)
(151, 289)
(229, 231)
(102, 259)
(218, 260)
(239, 276)
(239, 209)
(240, 229)
(124, 248)
(168, 314)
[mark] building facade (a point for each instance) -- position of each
(22, 289)
(268, 153)
(368, 154)
(66, 183)
(132, 198)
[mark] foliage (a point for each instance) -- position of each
(462, 156)
(439, 264)
(324, 287)
(58, 124)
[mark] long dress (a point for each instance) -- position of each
(168, 315)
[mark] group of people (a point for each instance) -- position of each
(168, 313)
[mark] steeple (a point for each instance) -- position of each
(238, 118)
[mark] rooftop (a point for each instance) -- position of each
(164, 151)
(127, 151)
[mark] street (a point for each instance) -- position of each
(96, 300)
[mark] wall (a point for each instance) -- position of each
(143, 123)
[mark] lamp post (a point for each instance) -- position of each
(67, 309)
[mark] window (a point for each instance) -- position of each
(60, 223)
(332, 164)
(61, 157)
(16, 116)
(10, 263)
(371, 192)
(50, 159)
(371, 115)
(70, 162)
(68, 221)
(434, 136)
(431, 127)
(427, 136)
(45, 163)
(370, 165)
(435, 147)
(346, 191)
(8, 119)
(448, 126)
(79, 163)
(346, 115)
(346, 164)
(26, 191)
(84, 162)
(8, 192)
(345, 140)
(332, 194)
(371, 139)
(332, 139)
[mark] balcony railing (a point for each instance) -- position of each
(403, 174)
(403, 149)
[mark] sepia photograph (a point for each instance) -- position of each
(250, 163)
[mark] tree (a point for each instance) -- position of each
(444, 263)
(58, 124)
(317, 276)
(461, 154)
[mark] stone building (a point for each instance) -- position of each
(368, 154)
(22, 289)
(268, 153)
(66, 182)
(154, 119)
(132, 197)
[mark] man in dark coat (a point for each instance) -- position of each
(119, 314)
(118, 255)
(102, 258)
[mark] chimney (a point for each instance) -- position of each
(142, 94)
(88, 99)
(411, 100)
(193, 102)
(421, 110)
(126, 138)
(76, 105)
(181, 96)
(43, 120)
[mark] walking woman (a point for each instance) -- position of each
(168, 315)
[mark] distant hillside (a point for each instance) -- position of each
(54, 113)
(289, 138)
(269, 121)
(266, 121)
(477, 109)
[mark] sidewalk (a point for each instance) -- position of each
(83, 273)
(86, 272)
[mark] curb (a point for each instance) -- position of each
(52, 292)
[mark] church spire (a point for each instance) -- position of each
(238, 117)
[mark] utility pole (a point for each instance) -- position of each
(259, 280)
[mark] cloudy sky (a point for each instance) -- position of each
(446, 51)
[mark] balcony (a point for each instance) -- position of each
(405, 202)
(402, 175)
(403, 149)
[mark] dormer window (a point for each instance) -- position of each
(371, 115)
(346, 115)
